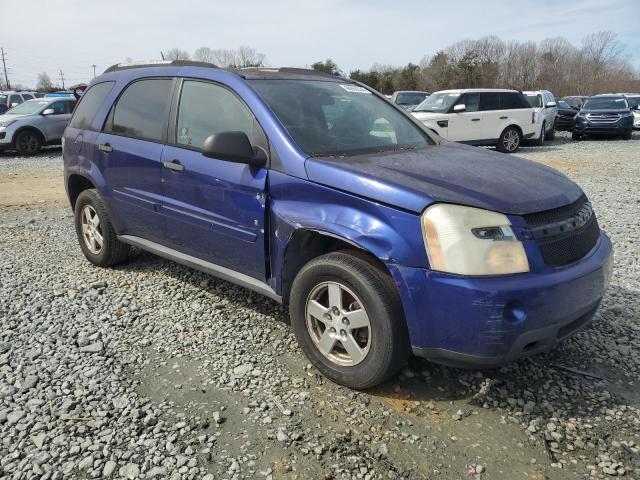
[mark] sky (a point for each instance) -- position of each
(73, 35)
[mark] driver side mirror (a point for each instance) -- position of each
(14, 104)
(460, 108)
(551, 104)
(233, 147)
(48, 111)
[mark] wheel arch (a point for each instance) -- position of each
(305, 244)
(76, 184)
(29, 128)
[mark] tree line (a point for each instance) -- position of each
(597, 65)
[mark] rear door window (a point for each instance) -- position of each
(89, 105)
(512, 100)
(27, 96)
(489, 101)
(142, 110)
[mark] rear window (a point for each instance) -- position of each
(89, 104)
(142, 110)
(534, 100)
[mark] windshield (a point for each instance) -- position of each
(605, 103)
(563, 104)
(534, 100)
(27, 108)
(331, 118)
(410, 98)
(437, 102)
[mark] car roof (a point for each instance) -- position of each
(249, 73)
(534, 92)
(607, 95)
(479, 90)
(411, 91)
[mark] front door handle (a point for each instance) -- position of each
(475, 119)
(105, 147)
(503, 118)
(174, 165)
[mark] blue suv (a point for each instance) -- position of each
(381, 238)
(604, 115)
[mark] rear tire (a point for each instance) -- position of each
(95, 231)
(369, 297)
(509, 141)
(28, 143)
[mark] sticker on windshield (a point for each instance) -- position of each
(354, 88)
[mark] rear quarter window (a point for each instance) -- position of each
(89, 104)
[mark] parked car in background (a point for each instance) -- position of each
(408, 98)
(34, 123)
(544, 104)
(565, 117)
(575, 101)
(380, 245)
(497, 117)
(604, 115)
(634, 104)
(12, 98)
(63, 94)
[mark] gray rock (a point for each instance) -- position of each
(109, 468)
(95, 347)
(129, 471)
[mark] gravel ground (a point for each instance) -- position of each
(152, 370)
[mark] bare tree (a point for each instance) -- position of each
(204, 54)
(177, 54)
(44, 83)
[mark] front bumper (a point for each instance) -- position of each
(490, 321)
(621, 127)
(564, 124)
(6, 137)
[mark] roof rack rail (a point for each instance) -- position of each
(159, 63)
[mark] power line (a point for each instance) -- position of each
(4, 66)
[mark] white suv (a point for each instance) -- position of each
(479, 117)
(544, 103)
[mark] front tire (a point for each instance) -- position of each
(347, 317)
(28, 143)
(95, 231)
(509, 141)
(543, 135)
(552, 132)
(627, 135)
(576, 136)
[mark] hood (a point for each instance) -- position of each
(567, 111)
(423, 116)
(448, 172)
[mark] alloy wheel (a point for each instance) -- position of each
(91, 229)
(338, 324)
(28, 143)
(511, 140)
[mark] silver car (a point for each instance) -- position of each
(34, 123)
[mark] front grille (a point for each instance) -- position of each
(603, 118)
(566, 234)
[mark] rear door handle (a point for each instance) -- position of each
(105, 147)
(174, 165)
(503, 118)
(475, 119)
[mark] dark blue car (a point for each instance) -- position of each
(380, 237)
(604, 115)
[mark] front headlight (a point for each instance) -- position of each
(626, 114)
(471, 241)
(6, 123)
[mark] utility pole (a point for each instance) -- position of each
(162, 54)
(94, 71)
(62, 78)
(4, 65)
